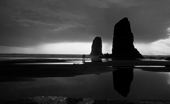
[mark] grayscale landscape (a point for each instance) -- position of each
(84, 52)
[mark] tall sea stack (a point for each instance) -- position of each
(123, 47)
(96, 48)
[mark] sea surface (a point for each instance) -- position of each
(85, 82)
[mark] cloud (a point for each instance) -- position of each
(162, 46)
(66, 26)
(109, 3)
(98, 3)
(9, 49)
(32, 22)
(38, 22)
(37, 12)
(159, 47)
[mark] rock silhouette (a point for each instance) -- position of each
(123, 47)
(96, 48)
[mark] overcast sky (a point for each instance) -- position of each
(33, 23)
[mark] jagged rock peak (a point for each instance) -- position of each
(122, 28)
(96, 48)
(123, 47)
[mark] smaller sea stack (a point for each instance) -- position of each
(96, 48)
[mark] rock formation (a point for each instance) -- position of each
(96, 48)
(123, 47)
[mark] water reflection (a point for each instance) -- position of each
(122, 79)
(81, 80)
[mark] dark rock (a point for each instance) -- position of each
(123, 47)
(96, 49)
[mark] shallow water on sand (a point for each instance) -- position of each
(96, 84)
(145, 85)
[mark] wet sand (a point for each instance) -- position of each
(28, 69)
(66, 100)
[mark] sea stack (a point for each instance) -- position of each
(123, 47)
(96, 48)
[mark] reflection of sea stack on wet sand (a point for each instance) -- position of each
(123, 47)
(96, 49)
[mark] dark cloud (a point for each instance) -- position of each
(32, 22)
